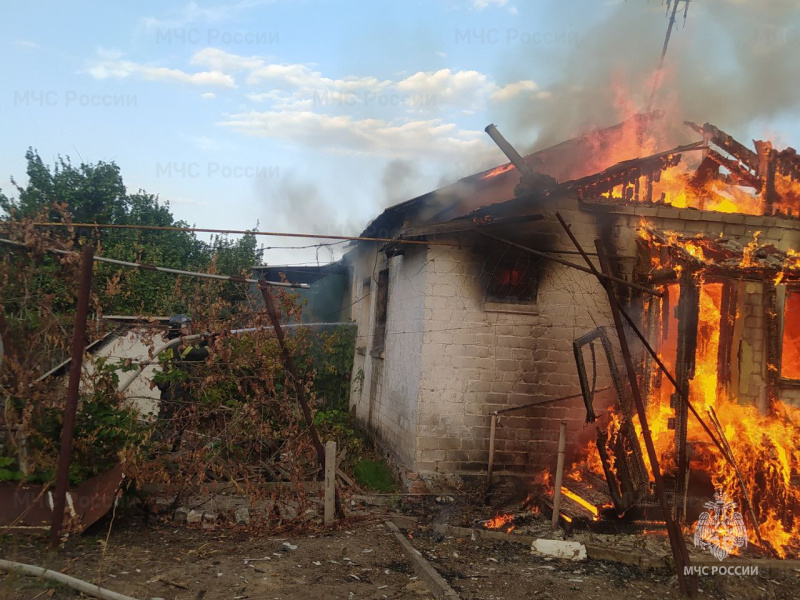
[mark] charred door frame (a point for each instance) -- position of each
(688, 316)
(627, 479)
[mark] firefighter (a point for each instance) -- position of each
(173, 379)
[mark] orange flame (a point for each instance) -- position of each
(499, 521)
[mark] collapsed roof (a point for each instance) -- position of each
(729, 177)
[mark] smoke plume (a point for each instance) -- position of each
(731, 64)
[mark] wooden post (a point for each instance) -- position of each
(330, 481)
(490, 467)
(73, 388)
(562, 444)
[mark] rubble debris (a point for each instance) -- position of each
(242, 516)
(559, 549)
(194, 516)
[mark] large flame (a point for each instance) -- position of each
(766, 447)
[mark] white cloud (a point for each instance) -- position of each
(481, 4)
(512, 90)
(303, 77)
(373, 136)
(28, 45)
(465, 89)
(406, 116)
(111, 66)
(220, 60)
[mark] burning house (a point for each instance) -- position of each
(481, 328)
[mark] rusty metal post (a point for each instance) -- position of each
(73, 388)
(562, 444)
(295, 377)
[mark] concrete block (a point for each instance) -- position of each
(194, 516)
(559, 549)
(181, 514)
(242, 516)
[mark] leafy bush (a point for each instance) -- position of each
(375, 474)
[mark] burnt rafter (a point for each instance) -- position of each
(788, 164)
(739, 174)
(719, 138)
(628, 173)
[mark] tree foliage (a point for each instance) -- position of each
(96, 193)
(243, 423)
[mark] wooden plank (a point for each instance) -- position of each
(330, 481)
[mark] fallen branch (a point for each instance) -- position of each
(72, 582)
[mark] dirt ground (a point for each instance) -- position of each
(508, 571)
(359, 559)
(161, 560)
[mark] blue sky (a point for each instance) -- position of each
(313, 115)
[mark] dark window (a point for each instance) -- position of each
(381, 303)
(363, 324)
(511, 277)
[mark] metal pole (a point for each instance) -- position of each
(562, 444)
(71, 409)
(679, 552)
(678, 544)
(490, 468)
(509, 150)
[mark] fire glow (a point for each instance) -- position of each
(500, 521)
(766, 447)
(584, 503)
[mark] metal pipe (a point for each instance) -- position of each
(677, 543)
(679, 551)
(562, 444)
(509, 150)
(490, 467)
(242, 232)
(71, 409)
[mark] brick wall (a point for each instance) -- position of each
(451, 358)
(480, 357)
(386, 385)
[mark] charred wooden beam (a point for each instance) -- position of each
(728, 311)
(770, 193)
(773, 345)
(688, 318)
(726, 142)
(627, 172)
(740, 175)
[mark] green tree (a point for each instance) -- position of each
(96, 193)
